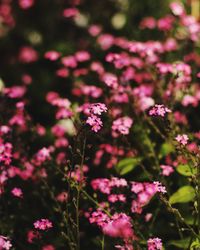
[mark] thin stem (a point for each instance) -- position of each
(78, 194)
(178, 215)
(103, 242)
(198, 196)
(95, 202)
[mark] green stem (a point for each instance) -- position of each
(95, 202)
(178, 216)
(103, 242)
(198, 196)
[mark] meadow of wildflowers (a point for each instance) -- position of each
(99, 125)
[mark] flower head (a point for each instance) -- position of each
(182, 139)
(43, 224)
(154, 244)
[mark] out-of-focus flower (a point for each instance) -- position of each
(43, 224)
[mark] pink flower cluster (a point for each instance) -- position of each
(159, 110)
(5, 243)
(182, 139)
(105, 185)
(121, 126)
(154, 244)
(145, 192)
(119, 226)
(62, 104)
(43, 224)
(166, 170)
(95, 110)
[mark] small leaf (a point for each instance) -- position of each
(190, 220)
(183, 195)
(195, 245)
(183, 244)
(186, 170)
(166, 149)
(127, 165)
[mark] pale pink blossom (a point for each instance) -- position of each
(43, 224)
(154, 244)
(182, 139)
(166, 170)
(5, 243)
(177, 8)
(159, 110)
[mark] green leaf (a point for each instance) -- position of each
(190, 220)
(186, 170)
(183, 195)
(183, 244)
(166, 149)
(127, 165)
(195, 245)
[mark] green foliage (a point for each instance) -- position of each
(186, 170)
(166, 149)
(183, 195)
(182, 244)
(127, 165)
(195, 245)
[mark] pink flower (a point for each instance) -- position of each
(177, 8)
(110, 80)
(94, 30)
(70, 12)
(43, 224)
(148, 22)
(159, 110)
(182, 139)
(31, 235)
(15, 91)
(91, 90)
(52, 55)
(136, 207)
(48, 247)
(148, 217)
(82, 56)
(43, 155)
(62, 197)
(98, 108)
(119, 226)
(101, 184)
(69, 61)
(165, 23)
(28, 55)
(95, 122)
(105, 41)
(26, 4)
(116, 197)
(17, 192)
(4, 243)
(122, 126)
(154, 244)
(4, 129)
(159, 187)
(166, 170)
(62, 72)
